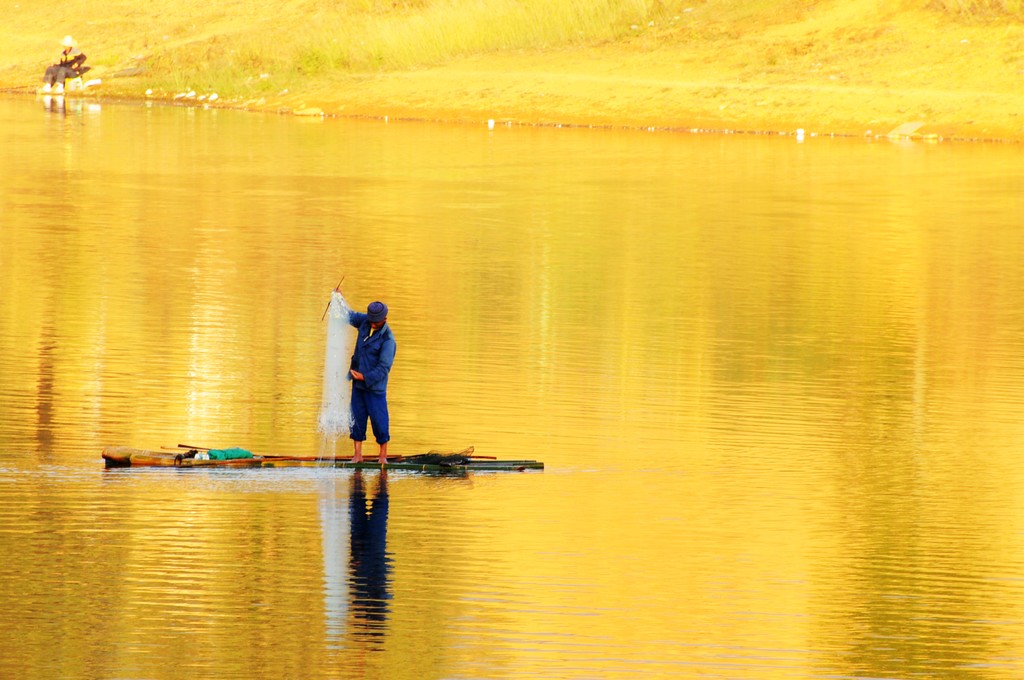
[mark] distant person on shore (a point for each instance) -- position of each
(371, 363)
(70, 66)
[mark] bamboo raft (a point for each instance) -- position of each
(463, 461)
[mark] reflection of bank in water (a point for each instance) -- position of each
(369, 562)
(54, 104)
(66, 106)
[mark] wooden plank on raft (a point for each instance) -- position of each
(124, 456)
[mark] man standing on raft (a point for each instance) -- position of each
(371, 364)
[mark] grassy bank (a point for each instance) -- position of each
(228, 44)
(953, 66)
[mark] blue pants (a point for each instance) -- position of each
(372, 405)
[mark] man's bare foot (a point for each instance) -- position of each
(382, 460)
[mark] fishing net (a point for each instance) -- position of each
(441, 458)
(335, 409)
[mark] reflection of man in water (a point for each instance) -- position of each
(370, 564)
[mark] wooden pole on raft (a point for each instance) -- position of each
(261, 456)
(398, 458)
(336, 288)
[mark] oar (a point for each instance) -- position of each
(265, 456)
(286, 458)
(391, 458)
(261, 455)
(282, 457)
(324, 315)
(314, 459)
(180, 461)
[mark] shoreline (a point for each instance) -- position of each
(889, 86)
(860, 69)
(385, 99)
(379, 107)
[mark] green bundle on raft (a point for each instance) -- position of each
(233, 453)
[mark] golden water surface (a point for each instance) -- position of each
(777, 385)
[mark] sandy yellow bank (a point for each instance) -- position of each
(852, 68)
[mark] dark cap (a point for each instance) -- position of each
(377, 312)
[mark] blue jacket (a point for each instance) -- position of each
(373, 355)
